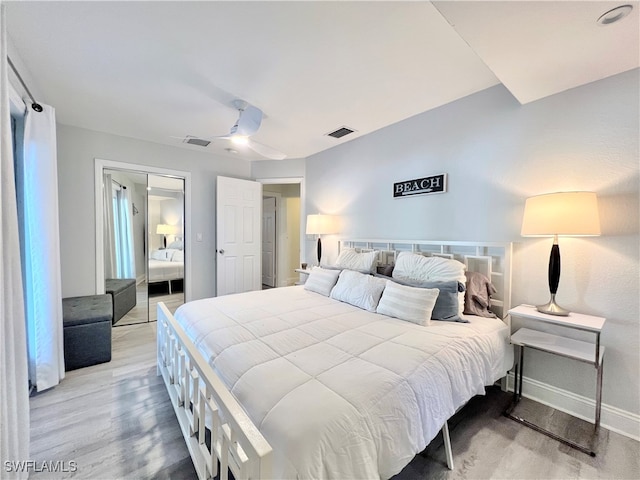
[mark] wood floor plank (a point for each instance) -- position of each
(115, 421)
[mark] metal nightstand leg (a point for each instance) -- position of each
(599, 392)
(517, 395)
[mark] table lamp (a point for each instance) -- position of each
(164, 229)
(571, 214)
(321, 225)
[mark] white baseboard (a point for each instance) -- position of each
(612, 418)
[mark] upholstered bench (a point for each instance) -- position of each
(87, 330)
(123, 293)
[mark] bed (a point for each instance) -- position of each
(292, 383)
(166, 265)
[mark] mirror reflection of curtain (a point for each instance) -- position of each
(109, 236)
(125, 260)
(118, 231)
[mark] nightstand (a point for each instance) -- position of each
(303, 271)
(583, 351)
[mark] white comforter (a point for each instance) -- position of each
(161, 270)
(337, 391)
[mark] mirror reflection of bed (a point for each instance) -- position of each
(143, 243)
(165, 263)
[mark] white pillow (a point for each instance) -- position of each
(352, 260)
(358, 289)
(408, 303)
(177, 244)
(411, 267)
(321, 280)
(159, 255)
(178, 256)
(170, 252)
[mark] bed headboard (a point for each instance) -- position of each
(491, 259)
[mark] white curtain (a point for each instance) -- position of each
(109, 234)
(14, 386)
(126, 259)
(37, 185)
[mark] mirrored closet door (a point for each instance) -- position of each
(143, 243)
(165, 268)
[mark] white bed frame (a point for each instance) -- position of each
(197, 394)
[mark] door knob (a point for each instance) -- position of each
(221, 251)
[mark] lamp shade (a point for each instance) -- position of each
(563, 213)
(321, 225)
(164, 229)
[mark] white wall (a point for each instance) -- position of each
(496, 153)
(155, 217)
(278, 168)
(77, 149)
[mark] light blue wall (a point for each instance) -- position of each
(496, 153)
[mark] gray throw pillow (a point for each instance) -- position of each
(447, 303)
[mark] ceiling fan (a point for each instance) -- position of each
(247, 124)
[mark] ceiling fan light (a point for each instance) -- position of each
(239, 139)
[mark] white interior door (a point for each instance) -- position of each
(238, 236)
(269, 241)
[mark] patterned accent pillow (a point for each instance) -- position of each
(321, 280)
(408, 303)
(358, 289)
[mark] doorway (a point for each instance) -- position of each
(281, 218)
(269, 225)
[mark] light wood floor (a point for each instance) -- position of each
(114, 419)
(116, 422)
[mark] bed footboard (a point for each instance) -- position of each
(198, 395)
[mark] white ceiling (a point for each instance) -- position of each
(153, 70)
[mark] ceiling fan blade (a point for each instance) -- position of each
(265, 151)
(248, 122)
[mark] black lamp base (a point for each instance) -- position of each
(319, 250)
(552, 308)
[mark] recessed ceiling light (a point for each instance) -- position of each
(614, 14)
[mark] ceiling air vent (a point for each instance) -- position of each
(196, 141)
(341, 132)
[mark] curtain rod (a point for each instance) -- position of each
(35, 105)
(119, 184)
